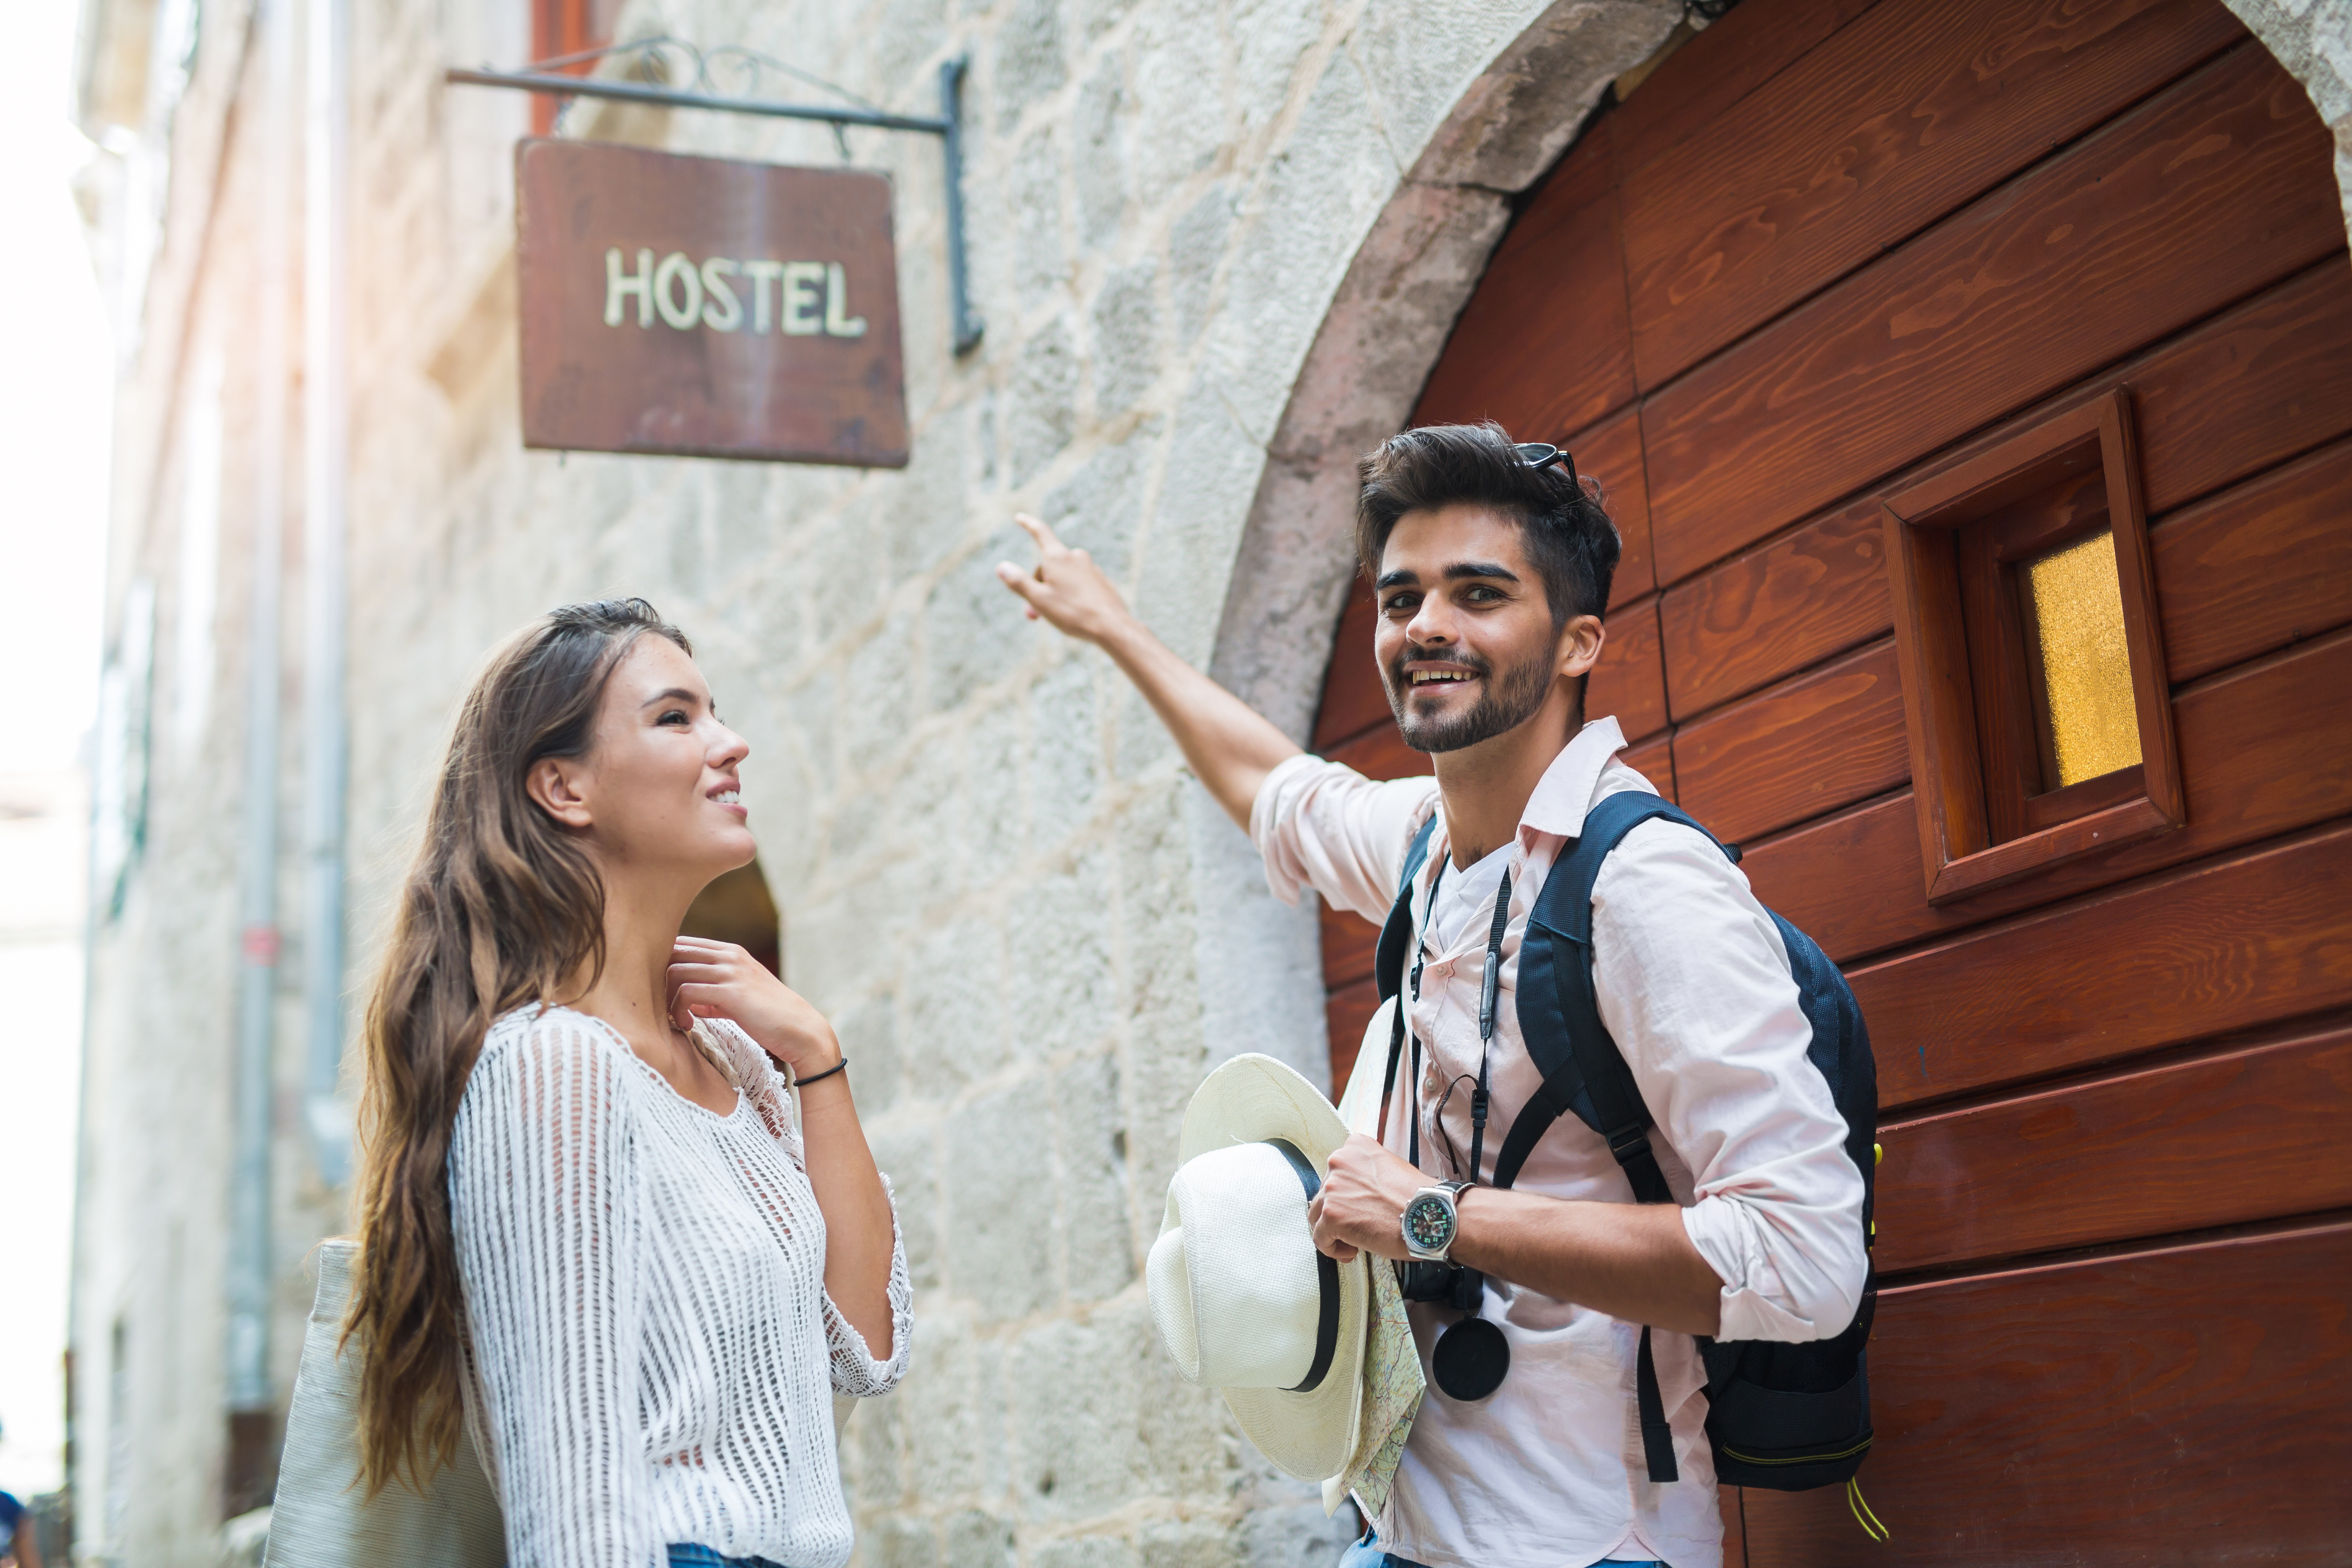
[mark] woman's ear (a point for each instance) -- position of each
(556, 786)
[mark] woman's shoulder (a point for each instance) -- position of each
(549, 1036)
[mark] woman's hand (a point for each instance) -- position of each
(719, 980)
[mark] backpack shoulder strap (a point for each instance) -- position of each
(1396, 946)
(1560, 1018)
(1396, 932)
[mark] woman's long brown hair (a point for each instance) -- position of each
(501, 908)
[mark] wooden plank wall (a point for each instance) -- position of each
(1827, 247)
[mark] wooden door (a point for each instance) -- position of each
(1828, 250)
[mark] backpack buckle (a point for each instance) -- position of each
(1631, 1142)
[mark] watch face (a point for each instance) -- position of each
(1429, 1224)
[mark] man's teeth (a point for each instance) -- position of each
(1433, 676)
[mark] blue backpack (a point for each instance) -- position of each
(1788, 1417)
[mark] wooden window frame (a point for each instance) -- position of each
(1952, 542)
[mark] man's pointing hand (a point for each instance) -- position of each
(1067, 590)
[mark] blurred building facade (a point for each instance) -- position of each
(1217, 246)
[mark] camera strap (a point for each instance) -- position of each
(1487, 986)
(1419, 956)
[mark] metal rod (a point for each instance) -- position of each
(671, 98)
(326, 305)
(966, 323)
(252, 1275)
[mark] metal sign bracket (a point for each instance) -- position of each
(544, 76)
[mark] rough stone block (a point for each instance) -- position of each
(1029, 64)
(1059, 934)
(1126, 337)
(1096, 152)
(899, 1541)
(978, 1540)
(907, 1154)
(1165, 1065)
(951, 1007)
(875, 689)
(1090, 1145)
(1100, 508)
(1087, 1552)
(1187, 1543)
(1066, 747)
(1078, 1415)
(1214, 464)
(1033, 189)
(1092, 18)
(868, 1031)
(1180, 86)
(1156, 910)
(1271, 37)
(953, 1414)
(1334, 173)
(995, 812)
(1140, 743)
(923, 518)
(1255, 947)
(1295, 1537)
(1196, 245)
(969, 624)
(999, 1203)
(926, 811)
(1043, 413)
(873, 1472)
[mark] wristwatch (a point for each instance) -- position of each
(1430, 1222)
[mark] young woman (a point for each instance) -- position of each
(598, 1226)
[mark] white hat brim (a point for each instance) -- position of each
(1249, 1100)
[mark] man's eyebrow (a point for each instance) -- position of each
(675, 694)
(1399, 578)
(1461, 569)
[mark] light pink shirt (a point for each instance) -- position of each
(1692, 983)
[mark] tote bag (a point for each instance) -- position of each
(323, 1518)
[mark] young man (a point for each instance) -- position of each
(1491, 574)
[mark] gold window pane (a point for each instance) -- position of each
(2075, 621)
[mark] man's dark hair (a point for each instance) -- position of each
(1567, 536)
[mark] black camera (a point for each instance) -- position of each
(1447, 1284)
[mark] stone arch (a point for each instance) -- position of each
(1420, 259)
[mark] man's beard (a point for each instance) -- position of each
(1503, 704)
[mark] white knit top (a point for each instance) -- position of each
(652, 1349)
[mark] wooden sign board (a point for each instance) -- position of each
(702, 307)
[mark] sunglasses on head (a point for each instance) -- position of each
(1538, 455)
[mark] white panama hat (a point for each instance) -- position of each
(1245, 1303)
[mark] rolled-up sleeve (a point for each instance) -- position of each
(1322, 825)
(855, 1370)
(1693, 982)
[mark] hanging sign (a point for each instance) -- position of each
(703, 307)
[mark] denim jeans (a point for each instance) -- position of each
(1367, 1553)
(703, 1557)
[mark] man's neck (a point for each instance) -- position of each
(1484, 789)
